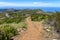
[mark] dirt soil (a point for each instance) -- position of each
(34, 31)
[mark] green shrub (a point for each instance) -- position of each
(38, 17)
(6, 32)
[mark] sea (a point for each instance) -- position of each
(52, 9)
(46, 9)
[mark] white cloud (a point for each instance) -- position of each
(42, 4)
(33, 4)
(14, 4)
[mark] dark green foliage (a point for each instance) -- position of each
(24, 27)
(1, 21)
(38, 17)
(6, 32)
(16, 18)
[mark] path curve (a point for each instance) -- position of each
(34, 31)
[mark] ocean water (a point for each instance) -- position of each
(52, 9)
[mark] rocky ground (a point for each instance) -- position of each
(50, 32)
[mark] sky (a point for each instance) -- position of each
(29, 3)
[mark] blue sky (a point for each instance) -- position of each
(29, 3)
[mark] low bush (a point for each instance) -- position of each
(6, 32)
(38, 17)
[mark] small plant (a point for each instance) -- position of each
(38, 17)
(6, 32)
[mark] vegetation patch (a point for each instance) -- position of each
(7, 32)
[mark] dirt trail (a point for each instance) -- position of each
(34, 31)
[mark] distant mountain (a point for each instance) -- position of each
(5, 10)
